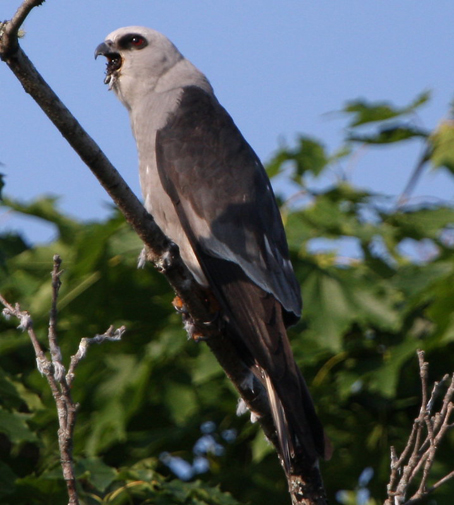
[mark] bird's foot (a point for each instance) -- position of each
(179, 305)
(142, 259)
(193, 330)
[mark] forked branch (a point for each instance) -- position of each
(59, 381)
(418, 456)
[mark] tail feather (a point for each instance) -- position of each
(281, 424)
(255, 321)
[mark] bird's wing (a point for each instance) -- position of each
(227, 209)
(223, 196)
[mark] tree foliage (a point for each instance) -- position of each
(156, 407)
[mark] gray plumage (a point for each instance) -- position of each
(209, 193)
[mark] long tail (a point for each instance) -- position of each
(254, 321)
(281, 424)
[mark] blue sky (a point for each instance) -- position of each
(279, 68)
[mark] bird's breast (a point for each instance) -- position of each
(159, 205)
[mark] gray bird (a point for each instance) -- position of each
(209, 193)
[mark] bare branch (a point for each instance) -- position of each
(55, 352)
(54, 371)
(26, 323)
(110, 335)
(438, 386)
(419, 454)
(441, 481)
(66, 408)
(417, 172)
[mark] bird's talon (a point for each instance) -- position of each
(179, 305)
(199, 337)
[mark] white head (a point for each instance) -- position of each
(142, 60)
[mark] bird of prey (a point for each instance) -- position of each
(209, 193)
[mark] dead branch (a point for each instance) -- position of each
(418, 456)
(111, 335)
(54, 371)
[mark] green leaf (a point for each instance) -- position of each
(309, 156)
(11, 245)
(181, 401)
(7, 480)
(196, 493)
(39, 491)
(206, 367)
(420, 224)
(96, 472)
(421, 99)
(389, 135)
(366, 112)
(261, 447)
(117, 399)
(8, 393)
(442, 141)
(46, 209)
(340, 298)
(386, 379)
(328, 312)
(14, 426)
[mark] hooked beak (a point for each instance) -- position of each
(114, 60)
(102, 50)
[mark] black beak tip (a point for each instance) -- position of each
(101, 50)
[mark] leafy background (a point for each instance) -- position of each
(157, 419)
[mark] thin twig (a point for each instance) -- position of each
(411, 184)
(26, 324)
(54, 371)
(111, 335)
(66, 408)
(441, 481)
(428, 430)
(438, 386)
(55, 352)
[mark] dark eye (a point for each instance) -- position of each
(132, 41)
(137, 41)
